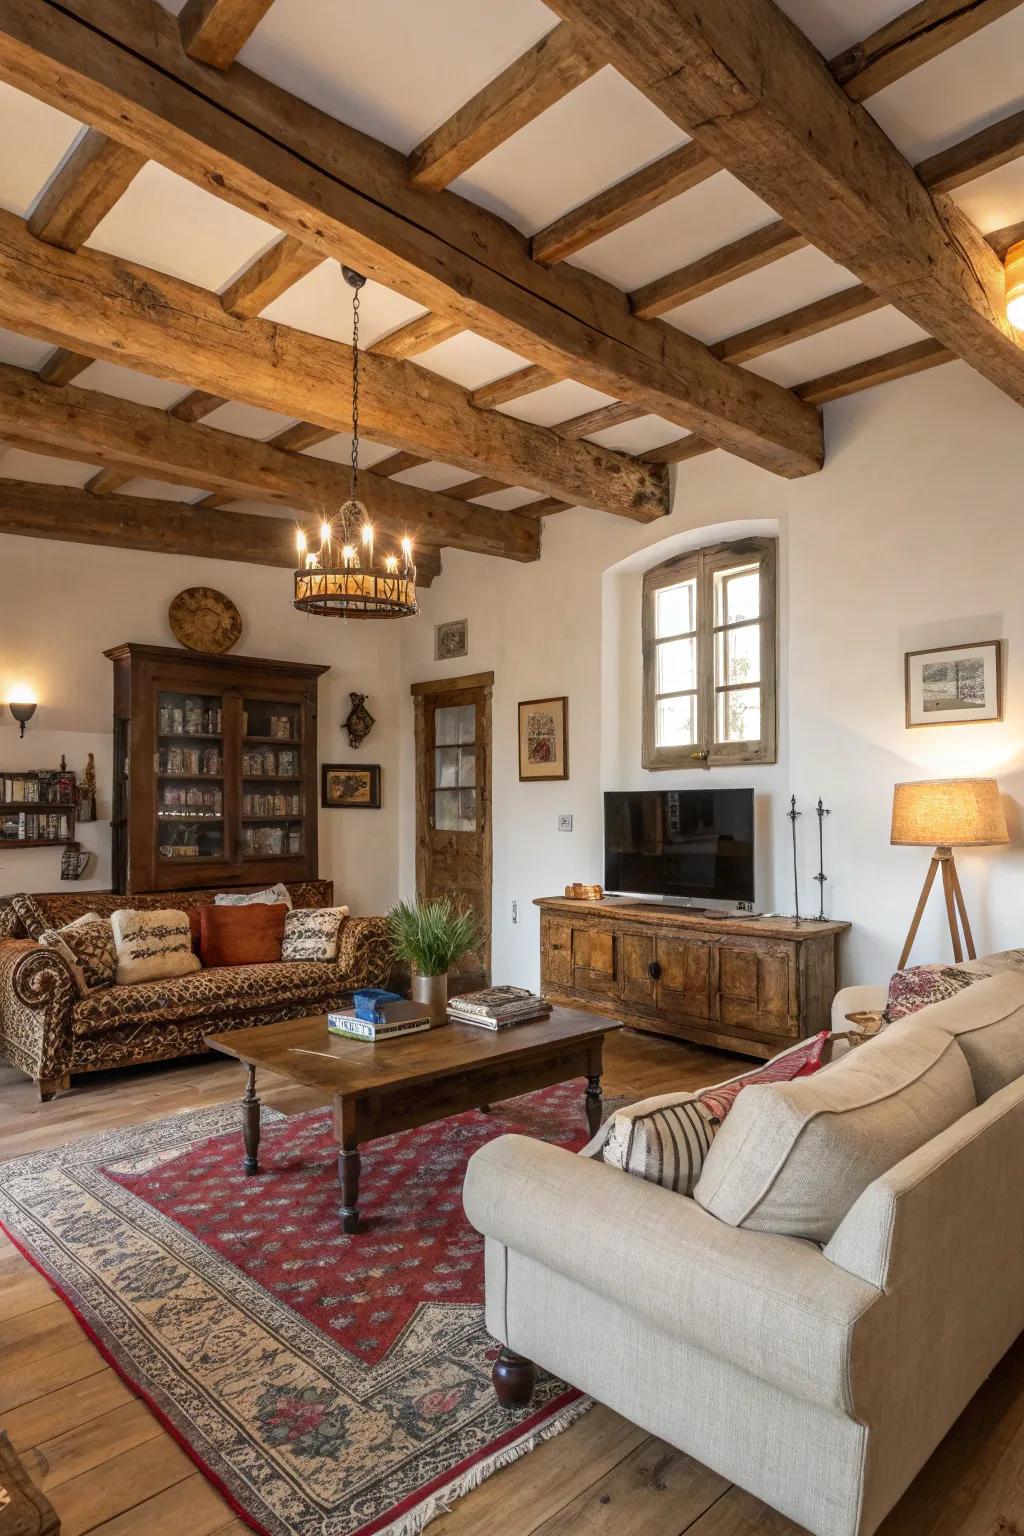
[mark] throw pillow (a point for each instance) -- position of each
(311, 933)
(793, 1157)
(268, 898)
(665, 1140)
(249, 935)
(152, 946)
(921, 985)
(87, 945)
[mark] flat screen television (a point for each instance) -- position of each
(674, 843)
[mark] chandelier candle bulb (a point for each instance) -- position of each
(1015, 285)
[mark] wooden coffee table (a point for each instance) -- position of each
(396, 1085)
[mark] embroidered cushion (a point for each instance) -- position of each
(87, 945)
(665, 1140)
(270, 897)
(312, 934)
(793, 1157)
(987, 1023)
(921, 985)
(152, 945)
(249, 935)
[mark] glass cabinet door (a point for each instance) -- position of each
(189, 777)
(454, 792)
(272, 804)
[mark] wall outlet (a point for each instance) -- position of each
(565, 823)
(515, 914)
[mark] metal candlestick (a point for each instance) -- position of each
(793, 813)
(821, 876)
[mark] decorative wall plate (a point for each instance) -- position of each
(203, 619)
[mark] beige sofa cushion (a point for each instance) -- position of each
(152, 946)
(987, 1022)
(793, 1157)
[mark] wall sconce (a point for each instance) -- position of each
(1015, 285)
(22, 707)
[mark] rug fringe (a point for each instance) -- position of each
(441, 1501)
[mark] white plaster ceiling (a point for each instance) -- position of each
(434, 477)
(321, 303)
(338, 450)
(35, 138)
(130, 384)
(160, 490)
(638, 436)
(506, 500)
(470, 360)
(248, 420)
(868, 336)
(557, 402)
(19, 464)
(22, 351)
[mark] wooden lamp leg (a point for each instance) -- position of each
(929, 881)
(947, 891)
(958, 894)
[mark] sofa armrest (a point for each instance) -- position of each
(861, 999)
(774, 1306)
(364, 951)
(37, 996)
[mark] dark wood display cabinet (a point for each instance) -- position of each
(215, 770)
(747, 984)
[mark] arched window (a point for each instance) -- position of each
(709, 655)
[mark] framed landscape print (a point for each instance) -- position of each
(544, 739)
(955, 685)
(350, 786)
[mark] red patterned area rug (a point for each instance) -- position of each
(329, 1385)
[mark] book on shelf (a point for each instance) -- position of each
(352, 1027)
(498, 1007)
(38, 787)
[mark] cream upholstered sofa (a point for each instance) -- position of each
(818, 1377)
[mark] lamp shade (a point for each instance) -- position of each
(948, 813)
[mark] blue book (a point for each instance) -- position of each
(366, 1003)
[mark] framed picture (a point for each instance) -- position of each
(544, 739)
(955, 685)
(350, 786)
(451, 640)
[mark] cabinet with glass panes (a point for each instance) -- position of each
(215, 770)
(454, 790)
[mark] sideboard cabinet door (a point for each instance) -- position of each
(685, 977)
(757, 988)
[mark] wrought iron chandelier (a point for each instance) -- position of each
(345, 577)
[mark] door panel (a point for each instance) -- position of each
(594, 960)
(556, 952)
(453, 810)
(757, 988)
(684, 983)
(637, 955)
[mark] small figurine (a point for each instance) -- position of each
(87, 791)
(359, 722)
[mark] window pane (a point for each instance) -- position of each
(739, 715)
(455, 810)
(446, 767)
(676, 722)
(455, 723)
(677, 661)
(675, 609)
(738, 655)
(738, 594)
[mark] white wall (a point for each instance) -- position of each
(911, 536)
(62, 605)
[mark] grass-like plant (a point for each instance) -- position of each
(432, 935)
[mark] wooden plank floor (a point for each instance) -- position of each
(110, 1469)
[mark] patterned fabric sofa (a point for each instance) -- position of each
(49, 1032)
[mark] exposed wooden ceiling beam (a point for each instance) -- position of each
(599, 420)
(397, 463)
(546, 507)
(469, 490)
(975, 156)
(775, 117)
(197, 404)
(620, 204)
(349, 196)
(513, 386)
(304, 434)
(808, 320)
(553, 67)
(899, 364)
(748, 254)
(679, 450)
(146, 320)
(215, 31)
(416, 336)
(127, 439)
(887, 55)
(910, 40)
(62, 366)
(83, 189)
(278, 269)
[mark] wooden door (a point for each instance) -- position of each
(453, 806)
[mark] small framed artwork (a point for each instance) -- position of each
(544, 739)
(451, 640)
(350, 786)
(955, 685)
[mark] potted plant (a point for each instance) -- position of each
(430, 936)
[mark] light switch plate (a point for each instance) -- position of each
(565, 823)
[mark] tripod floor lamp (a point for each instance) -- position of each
(945, 814)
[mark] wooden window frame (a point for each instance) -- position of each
(702, 566)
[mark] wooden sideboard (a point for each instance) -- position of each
(752, 985)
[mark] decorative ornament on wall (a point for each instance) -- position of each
(87, 791)
(203, 619)
(74, 862)
(451, 640)
(358, 722)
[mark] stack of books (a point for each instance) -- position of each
(498, 1007)
(378, 1015)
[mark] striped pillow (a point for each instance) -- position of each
(665, 1140)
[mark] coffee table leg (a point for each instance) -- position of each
(251, 1123)
(594, 1101)
(348, 1178)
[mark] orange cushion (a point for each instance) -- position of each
(241, 935)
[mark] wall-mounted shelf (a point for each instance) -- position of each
(48, 808)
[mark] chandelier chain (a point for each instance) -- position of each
(355, 393)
